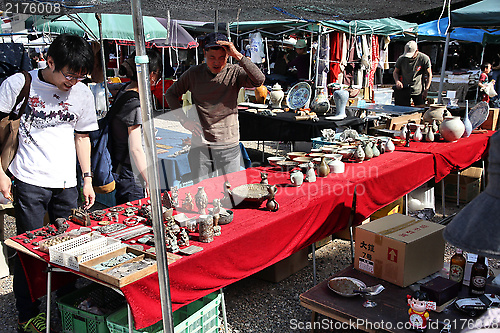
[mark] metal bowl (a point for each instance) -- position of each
(345, 286)
(254, 193)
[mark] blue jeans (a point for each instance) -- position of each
(30, 204)
(128, 188)
(206, 162)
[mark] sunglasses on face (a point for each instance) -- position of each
(71, 77)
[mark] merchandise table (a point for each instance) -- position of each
(258, 238)
(395, 110)
(390, 314)
(449, 156)
(284, 127)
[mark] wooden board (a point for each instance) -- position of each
(491, 122)
(86, 267)
(396, 123)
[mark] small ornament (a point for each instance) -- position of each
(184, 238)
(408, 134)
(359, 155)
(389, 146)
(368, 151)
(217, 230)
(381, 146)
(206, 228)
(216, 211)
(323, 169)
(201, 200)
(172, 243)
(271, 203)
(310, 173)
(429, 136)
(376, 152)
(263, 178)
(403, 132)
(187, 204)
(227, 200)
(175, 196)
(419, 316)
(167, 201)
(296, 178)
(418, 134)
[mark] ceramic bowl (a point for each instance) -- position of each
(287, 165)
(316, 150)
(302, 159)
(293, 154)
(226, 218)
(329, 149)
(316, 160)
(313, 155)
(346, 153)
(333, 156)
(274, 159)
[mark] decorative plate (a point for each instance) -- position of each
(256, 193)
(299, 95)
(478, 114)
(345, 286)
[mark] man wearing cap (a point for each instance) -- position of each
(411, 68)
(214, 87)
(301, 61)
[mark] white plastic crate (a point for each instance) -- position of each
(56, 251)
(93, 249)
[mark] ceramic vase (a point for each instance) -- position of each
(435, 112)
(417, 136)
(341, 97)
(402, 132)
(389, 146)
(260, 94)
(429, 136)
(359, 155)
(323, 169)
(337, 166)
(276, 96)
(310, 173)
(297, 177)
(368, 151)
(467, 123)
(320, 103)
(452, 128)
(376, 152)
(201, 200)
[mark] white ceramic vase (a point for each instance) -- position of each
(452, 128)
(276, 96)
(337, 166)
(389, 146)
(467, 122)
(341, 97)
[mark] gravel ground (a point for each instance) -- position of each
(253, 305)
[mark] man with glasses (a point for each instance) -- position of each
(53, 132)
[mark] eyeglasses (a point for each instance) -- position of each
(71, 77)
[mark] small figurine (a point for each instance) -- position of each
(201, 200)
(184, 238)
(172, 244)
(175, 196)
(310, 173)
(296, 177)
(418, 134)
(408, 135)
(187, 204)
(419, 303)
(166, 200)
(216, 211)
(263, 178)
(227, 200)
(271, 203)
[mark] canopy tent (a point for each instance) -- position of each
(436, 30)
(386, 26)
(114, 26)
(177, 37)
(484, 14)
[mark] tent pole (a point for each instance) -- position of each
(103, 63)
(311, 56)
(117, 56)
(163, 78)
(443, 67)
(152, 171)
(216, 25)
(267, 58)
(317, 57)
(482, 59)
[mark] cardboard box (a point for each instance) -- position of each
(286, 267)
(470, 185)
(399, 249)
(323, 242)
(492, 121)
(344, 233)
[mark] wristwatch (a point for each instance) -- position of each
(88, 174)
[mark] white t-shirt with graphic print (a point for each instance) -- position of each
(46, 156)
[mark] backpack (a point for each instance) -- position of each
(13, 59)
(100, 154)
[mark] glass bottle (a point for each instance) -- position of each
(478, 277)
(457, 267)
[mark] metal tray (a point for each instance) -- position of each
(254, 193)
(345, 286)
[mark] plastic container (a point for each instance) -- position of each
(200, 316)
(93, 249)
(56, 252)
(77, 320)
(383, 96)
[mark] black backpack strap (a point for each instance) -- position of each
(23, 96)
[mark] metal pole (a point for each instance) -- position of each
(216, 22)
(311, 56)
(152, 171)
(443, 67)
(482, 58)
(318, 59)
(163, 78)
(267, 58)
(103, 61)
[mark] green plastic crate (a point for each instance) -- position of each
(200, 316)
(79, 321)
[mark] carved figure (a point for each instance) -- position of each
(184, 238)
(310, 173)
(263, 178)
(187, 204)
(216, 211)
(175, 196)
(201, 200)
(271, 203)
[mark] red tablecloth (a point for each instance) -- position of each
(449, 156)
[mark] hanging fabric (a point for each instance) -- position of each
(375, 56)
(335, 56)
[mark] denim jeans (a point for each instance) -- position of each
(128, 187)
(206, 162)
(30, 203)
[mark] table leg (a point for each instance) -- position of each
(130, 319)
(223, 304)
(314, 316)
(442, 196)
(458, 188)
(483, 174)
(314, 262)
(49, 289)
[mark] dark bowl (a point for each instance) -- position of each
(226, 219)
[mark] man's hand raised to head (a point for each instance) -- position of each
(230, 49)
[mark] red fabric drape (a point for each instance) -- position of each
(375, 58)
(335, 56)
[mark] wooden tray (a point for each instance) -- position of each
(86, 267)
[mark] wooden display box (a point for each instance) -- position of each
(492, 122)
(86, 267)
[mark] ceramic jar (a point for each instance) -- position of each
(435, 112)
(417, 136)
(206, 228)
(320, 103)
(201, 200)
(452, 128)
(389, 146)
(297, 177)
(276, 96)
(337, 166)
(341, 97)
(323, 169)
(467, 123)
(260, 94)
